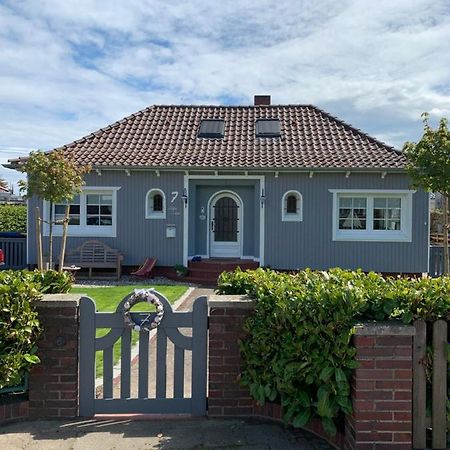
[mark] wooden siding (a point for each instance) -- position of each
(288, 245)
(293, 245)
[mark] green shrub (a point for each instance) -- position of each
(298, 350)
(19, 326)
(13, 218)
(53, 282)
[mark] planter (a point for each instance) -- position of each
(19, 388)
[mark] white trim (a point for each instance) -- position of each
(370, 235)
(372, 191)
(261, 179)
(157, 214)
(213, 200)
(186, 220)
(292, 217)
(86, 230)
(262, 187)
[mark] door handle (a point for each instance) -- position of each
(212, 225)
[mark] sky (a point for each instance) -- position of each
(68, 68)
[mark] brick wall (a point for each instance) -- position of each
(13, 409)
(382, 389)
(53, 387)
(381, 386)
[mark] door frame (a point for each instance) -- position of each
(216, 196)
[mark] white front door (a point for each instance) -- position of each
(225, 226)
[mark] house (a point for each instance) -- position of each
(285, 186)
(5, 195)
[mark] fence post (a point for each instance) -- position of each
(381, 389)
(439, 385)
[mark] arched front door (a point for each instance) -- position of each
(225, 226)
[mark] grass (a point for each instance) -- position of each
(107, 299)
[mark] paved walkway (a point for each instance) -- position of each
(186, 434)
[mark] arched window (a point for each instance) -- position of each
(155, 204)
(292, 207)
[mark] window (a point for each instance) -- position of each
(352, 213)
(155, 204)
(372, 216)
(91, 213)
(212, 128)
(266, 128)
(59, 211)
(99, 209)
(292, 207)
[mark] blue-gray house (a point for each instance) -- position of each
(286, 186)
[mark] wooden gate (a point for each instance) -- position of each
(430, 389)
(167, 374)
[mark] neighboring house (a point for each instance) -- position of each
(288, 186)
(5, 195)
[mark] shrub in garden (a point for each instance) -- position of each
(19, 327)
(52, 281)
(298, 350)
(19, 324)
(13, 218)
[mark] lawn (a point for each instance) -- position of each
(107, 299)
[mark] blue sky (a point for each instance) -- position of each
(70, 67)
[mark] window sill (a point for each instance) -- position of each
(94, 231)
(156, 216)
(373, 237)
(293, 218)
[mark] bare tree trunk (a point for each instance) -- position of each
(50, 238)
(64, 238)
(40, 262)
(446, 229)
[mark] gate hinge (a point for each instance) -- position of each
(207, 323)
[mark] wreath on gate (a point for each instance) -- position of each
(139, 296)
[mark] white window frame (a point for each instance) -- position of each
(291, 217)
(152, 214)
(369, 234)
(84, 230)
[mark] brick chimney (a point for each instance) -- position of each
(262, 100)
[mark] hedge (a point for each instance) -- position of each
(13, 218)
(298, 349)
(19, 322)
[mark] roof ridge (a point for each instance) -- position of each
(357, 130)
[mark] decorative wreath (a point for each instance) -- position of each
(143, 295)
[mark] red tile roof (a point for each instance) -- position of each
(166, 136)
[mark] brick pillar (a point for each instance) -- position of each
(226, 319)
(381, 389)
(53, 385)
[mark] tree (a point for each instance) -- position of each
(55, 177)
(429, 167)
(3, 183)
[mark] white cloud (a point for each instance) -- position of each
(70, 67)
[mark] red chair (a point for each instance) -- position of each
(2, 257)
(146, 268)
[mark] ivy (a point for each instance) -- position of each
(298, 348)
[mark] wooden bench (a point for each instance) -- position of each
(95, 255)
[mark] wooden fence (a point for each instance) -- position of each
(430, 384)
(15, 250)
(436, 261)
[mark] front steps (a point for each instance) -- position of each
(207, 271)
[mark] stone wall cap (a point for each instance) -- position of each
(384, 329)
(231, 301)
(60, 300)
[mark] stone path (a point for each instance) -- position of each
(128, 434)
